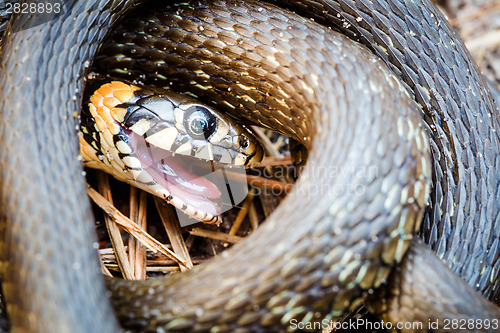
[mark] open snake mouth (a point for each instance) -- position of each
(192, 180)
(136, 132)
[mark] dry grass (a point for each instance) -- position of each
(141, 243)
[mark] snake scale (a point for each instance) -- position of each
(323, 261)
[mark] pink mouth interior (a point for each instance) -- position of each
(176, 173)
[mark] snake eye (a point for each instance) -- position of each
(199, 122)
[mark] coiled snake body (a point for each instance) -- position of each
(330, 250)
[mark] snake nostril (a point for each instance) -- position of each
(244, 143)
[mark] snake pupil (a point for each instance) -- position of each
(200, 123)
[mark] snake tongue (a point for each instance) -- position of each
(198, 192)
(177, 174)
(180, 175)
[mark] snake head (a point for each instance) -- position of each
(249, 147)
(167, 144)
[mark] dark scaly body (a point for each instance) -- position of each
(464, 131)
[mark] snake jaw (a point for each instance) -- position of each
(166, 144)
(174, 174)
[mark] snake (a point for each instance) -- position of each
(321, 253)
